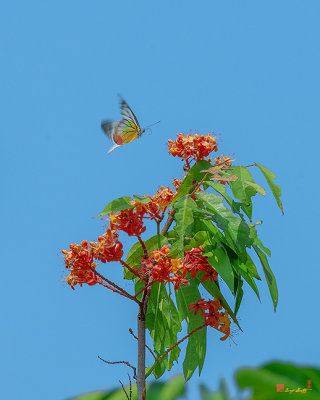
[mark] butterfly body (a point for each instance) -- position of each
(124, 131)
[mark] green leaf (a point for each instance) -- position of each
(252, 269)
(218, 258)
(242, 189)
(221, 189)
(196, 347)
(194, 174)
(263, 382)
(123, 203)
(257, 188)
(276, 189)
(169, 391)
(183, 218)
(222, 394)
(163, 323)
(235, 228)
(271, 280)
(136, 252)
(142, 199)
(238, 297)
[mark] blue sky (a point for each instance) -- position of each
(249, 71)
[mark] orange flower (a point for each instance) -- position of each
(194, 261)
(163, 268)
(129, 221)
(79, 261)
(192, 148)
(210, 310)
(107, 248)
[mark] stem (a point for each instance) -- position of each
(133, 271)
(168, 223)
(145, 251)
(141, 379)
(172, 347)
(158, 233)
(115, 288)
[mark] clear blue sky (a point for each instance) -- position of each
(247, 70)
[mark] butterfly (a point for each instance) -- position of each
(123, 131)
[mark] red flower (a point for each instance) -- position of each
(192, 148)
(79, 261)
(194, 261)
(129, 221)
(107, 248)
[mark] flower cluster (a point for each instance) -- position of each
(129, 221)
(194, 261)
(79, 261)
(163, 269)
(210, 310)
(157, 205)
(192, 148)
(107, 248)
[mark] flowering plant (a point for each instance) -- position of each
(208, 244)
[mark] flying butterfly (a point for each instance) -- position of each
(124, 131)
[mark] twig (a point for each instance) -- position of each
(168, 223)
(153, 355)
(143, 246)
(144, 288)
(172, 347)
(121, 362)
(124, 390)
(116, 288)
(130, 386)
(132, 270)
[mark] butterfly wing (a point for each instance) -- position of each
(127, 131)
(127, 114)
(109, 128)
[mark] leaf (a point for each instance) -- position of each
(183, 218)
(194, 174)
(271, 280)
(169, 390)
(142, 199)
(123, 203)
(238, 297)
(236, 229)
(276, 189)
(196, 347)
(221, 189)
(219, 260)
(136, 251)
(258, 188)
(222, 394)
(163, 329)
(263, 381)
(242, 190)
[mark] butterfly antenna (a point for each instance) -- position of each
(147, 127)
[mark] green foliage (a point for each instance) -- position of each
(123, 203)
(262, 382)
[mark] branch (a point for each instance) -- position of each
(153, 355)
(115, 288)
(168, 223)
(129, 398)
(143, 246)
(132, 270)
(121, 362)
(172, 347)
